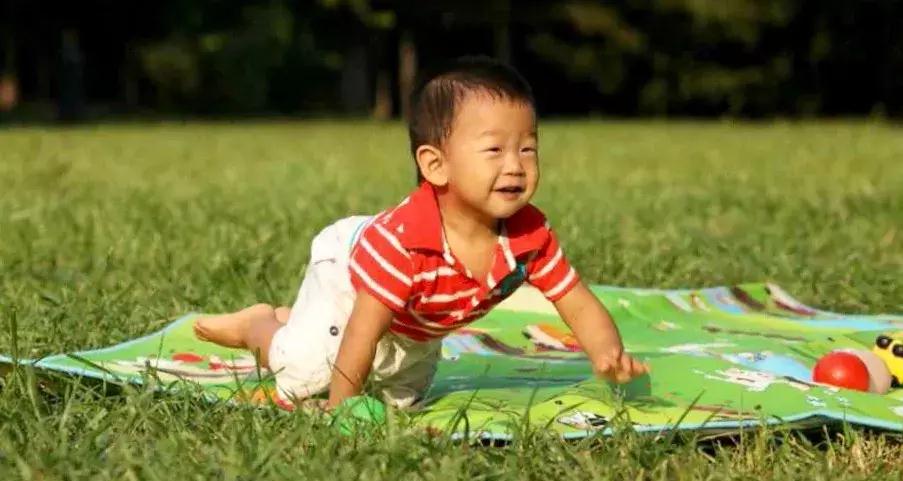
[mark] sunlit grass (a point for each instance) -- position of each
(108, 232)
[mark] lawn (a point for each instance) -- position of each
(108, 232)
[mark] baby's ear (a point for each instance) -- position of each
(432, 164)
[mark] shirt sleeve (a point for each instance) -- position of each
(382, 267)
(550, 272)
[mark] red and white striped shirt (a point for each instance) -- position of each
(403, 260)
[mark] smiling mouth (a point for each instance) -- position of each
(511, 190)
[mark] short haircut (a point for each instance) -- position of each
(438, 94)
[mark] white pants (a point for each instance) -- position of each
(302, 353)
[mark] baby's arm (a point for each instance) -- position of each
(598, 335)
(368, 323)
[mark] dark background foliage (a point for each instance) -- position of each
(742, 58)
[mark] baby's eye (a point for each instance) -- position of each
(494, 150)
(528, 150)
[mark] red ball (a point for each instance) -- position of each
(842, 369)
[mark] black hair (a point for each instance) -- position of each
(438, 93)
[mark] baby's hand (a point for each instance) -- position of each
(619, 367)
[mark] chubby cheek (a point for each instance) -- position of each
(471, 184)
(462, 168)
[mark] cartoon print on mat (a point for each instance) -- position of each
(678, 301)
(723, 300)
(697, 349)
(746, 299)
(755, 381)
(547, 337)
(475, 341)
(548, 342)
(781, 365)
(890, 349)
(785, 301)
(583, 420)
(698, 302)
(189, 366)
(733, 355)
(665, 326)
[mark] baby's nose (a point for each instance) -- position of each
(513, 164)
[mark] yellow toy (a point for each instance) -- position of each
(890, 350)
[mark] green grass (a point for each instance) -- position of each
(108, 232)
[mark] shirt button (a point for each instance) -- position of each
(334, 330)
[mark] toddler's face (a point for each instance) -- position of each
(492, 155)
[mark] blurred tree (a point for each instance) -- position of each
(9, 82)
(621, 57)
(217, 64)
(240, 60)
(669, 55)
(365, 81)
(173, 66)
(71, 99)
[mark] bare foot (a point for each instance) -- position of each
(282, 314)
(231, 330)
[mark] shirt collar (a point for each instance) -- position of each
(526, 230)
(424, 229)
(523, 232)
